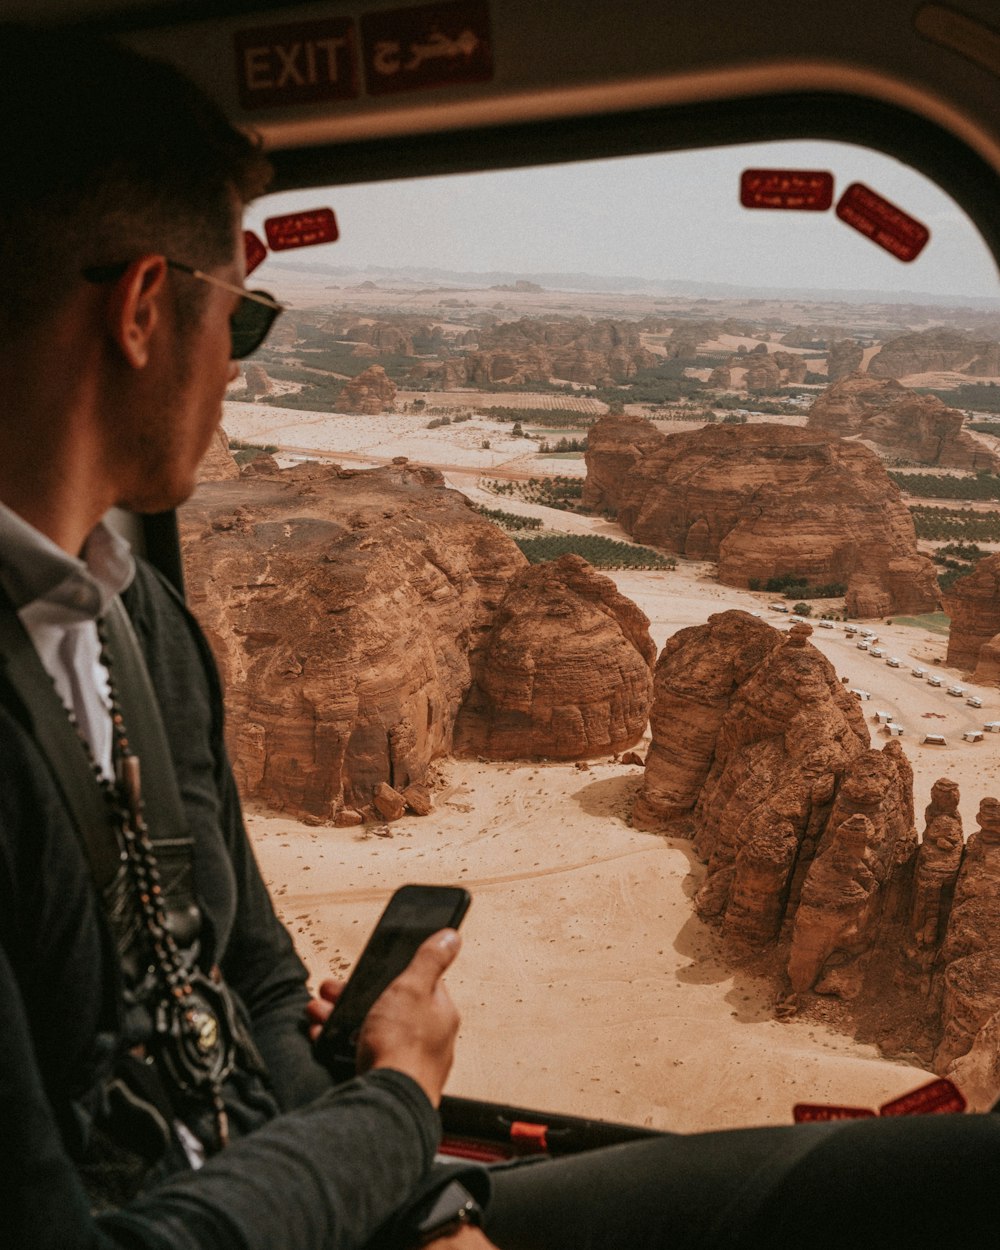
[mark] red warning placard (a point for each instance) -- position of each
(433, 45)
(882, 222)
(254, 250)
(318, 225)
(939, 1097)
(817, 1112)
(810, 190)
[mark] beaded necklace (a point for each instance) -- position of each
(192, 1015)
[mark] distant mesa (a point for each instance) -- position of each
(973, 603)
(522, 284)
(900, 423)
(764, 501)
(565, 671)
(354, 613)
(813, 867)
(370, 393)
(937, 350)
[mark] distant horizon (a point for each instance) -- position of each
(674, 213)
(651, 287)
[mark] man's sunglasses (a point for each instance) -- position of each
(248, 324)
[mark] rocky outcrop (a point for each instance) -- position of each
(218, 464)
(370, 393)
(256, 381)
(346, 611)
(973, 603)
(353, 613)
(762, 759)
(902, 424)
(927, 351)
(844, 357)
(764, 500)
(566, 670)
(969, 955)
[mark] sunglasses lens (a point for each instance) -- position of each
(248, 326)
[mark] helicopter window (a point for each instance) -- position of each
(394, 718)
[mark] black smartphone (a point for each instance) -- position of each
(412, 914)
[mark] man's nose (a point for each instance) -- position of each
(234, 370)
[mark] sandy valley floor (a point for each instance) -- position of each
(586, 983)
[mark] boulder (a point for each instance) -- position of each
(565, 670)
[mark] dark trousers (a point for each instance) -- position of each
(910, 1182)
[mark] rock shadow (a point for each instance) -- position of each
(611, 797)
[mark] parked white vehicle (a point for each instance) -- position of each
(877, 652)
(956, 692)
(919, 672)
(825, 624)
(974, 701)
(935, 681)
(862, 645)
(894, 661)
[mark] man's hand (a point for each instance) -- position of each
(412, 1025)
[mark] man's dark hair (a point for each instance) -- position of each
(106, 154)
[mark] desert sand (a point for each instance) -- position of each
(587, 985)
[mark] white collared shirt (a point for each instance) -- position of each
(59, 599)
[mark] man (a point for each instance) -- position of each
(157, 1082)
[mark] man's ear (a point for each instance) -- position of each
(135, 308)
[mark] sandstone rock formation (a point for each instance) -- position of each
(969, 955)
(344, 609)
(256, 381)
(539, 692)
(218, 464)
(902, 424)
(370, 393)
(845, 356)
(973, 603)
(764, 500)
(352, 613)
(927, 351)
(762, 759)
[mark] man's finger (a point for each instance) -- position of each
(434, 957)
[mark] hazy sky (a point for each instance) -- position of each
(674, 216)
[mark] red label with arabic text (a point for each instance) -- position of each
(936, 1098)
(816, 1112)
(433, 45)
(304, 63)
(318, 225)
(882, 222)
(254, 250)
(801, 189)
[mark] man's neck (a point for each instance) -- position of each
(51, 470)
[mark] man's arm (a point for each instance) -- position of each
(322, 1178)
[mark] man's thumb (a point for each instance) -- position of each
(435, 956)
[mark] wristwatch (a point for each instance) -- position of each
(447, 1212)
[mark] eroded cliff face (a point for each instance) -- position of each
(764, 500)
(565, 672)
(813, 865)
(902, 424)
(973, 603)
(345, 610)
(353, 613)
